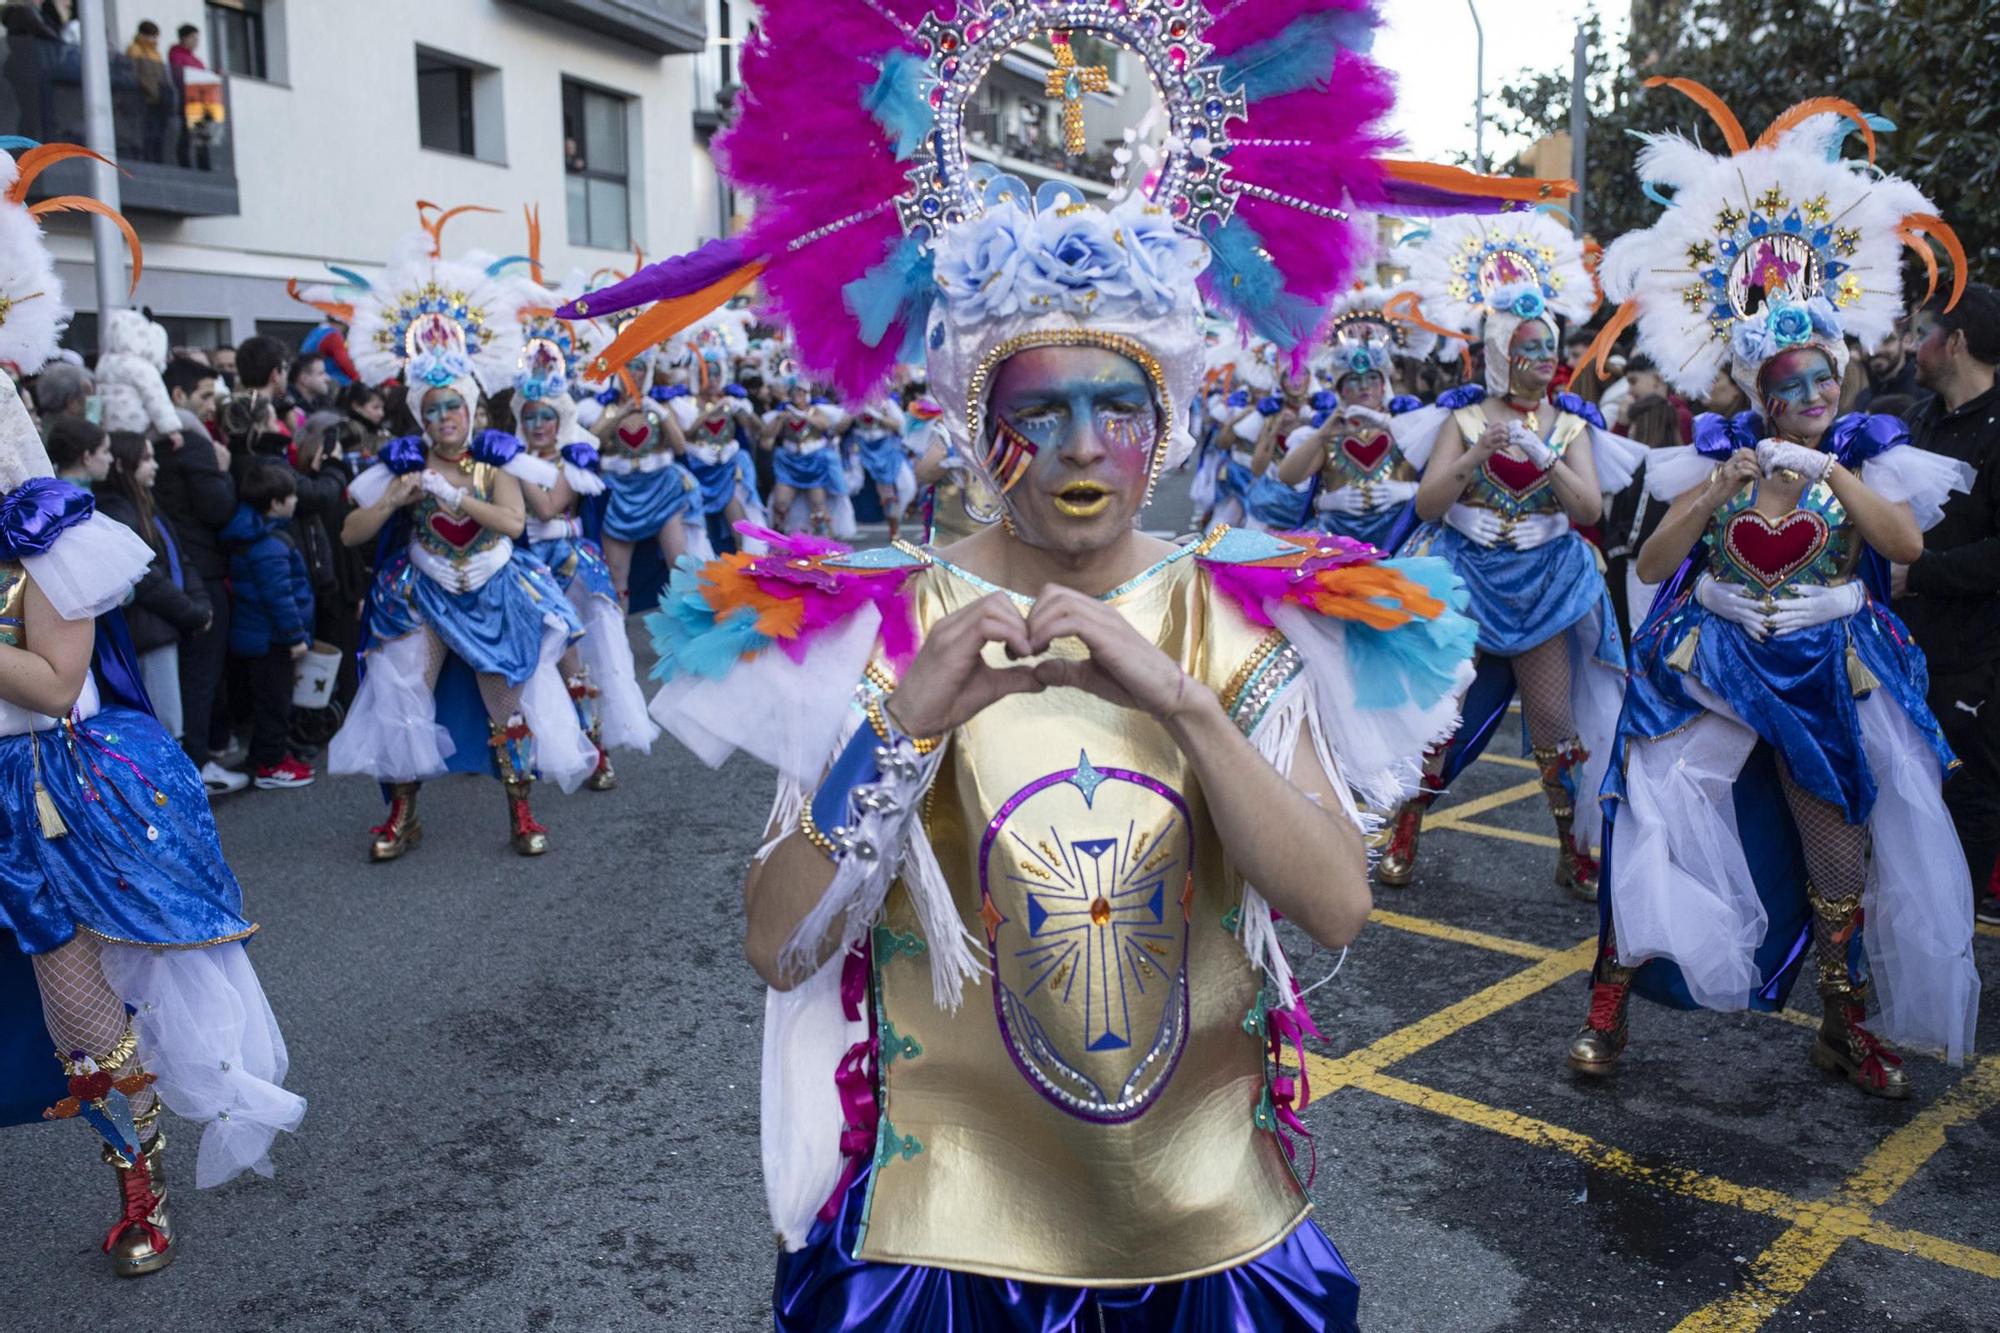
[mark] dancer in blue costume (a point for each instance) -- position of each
(950, 1142)
(651, 497)
(464, 628)
(805, 433)
(121, 926)
(1365, 481)
(1777, 781)
(721, 432)
(1506, 476)
(1279, 420)
(878, 432)
(598, 668)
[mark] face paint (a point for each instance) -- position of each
(1369, 390)
(1075, 435)
(442, 408)
(1532, 353)
(1800, 392)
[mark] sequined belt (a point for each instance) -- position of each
(464, 573)
(625, 467)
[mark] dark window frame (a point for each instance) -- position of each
(247, 17)
(432, 64)
(574, 95)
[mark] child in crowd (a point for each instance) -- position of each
(273, 615)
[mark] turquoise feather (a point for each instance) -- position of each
(350, 277)
(1242, 276)
(1301, 55)
(687, 636)
(900, 288)
(1417, 662)
(900, 102)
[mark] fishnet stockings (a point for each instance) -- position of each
(1542, 674)
(1836, 855)
(502, 700)
(82, 1011)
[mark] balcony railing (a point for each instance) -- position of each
(660, 27)
(173, 140)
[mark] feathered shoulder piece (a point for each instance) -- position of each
(1770, 245)
(801, 590)
(851, 139)
(1323, 573)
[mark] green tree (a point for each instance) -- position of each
(1928, 65)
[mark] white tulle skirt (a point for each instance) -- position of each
(208, 1035)
(1682, 888)
(607, 653)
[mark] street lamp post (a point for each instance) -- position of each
(100, 135)
(1478, 90)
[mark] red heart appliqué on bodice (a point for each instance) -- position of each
(1773, 552)
(459, 533)
(633, 435)
(1365, 454)
(715, 428)
(1517, 476)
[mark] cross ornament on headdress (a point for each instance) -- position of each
(1069, 81)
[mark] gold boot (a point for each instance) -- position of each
(513, 757)
(401, 830)
(604, 777)
(1843, 1046)
(1398, 865)
(528, 837)
(1595, 1049)
(1576, 868)
(141, 1241)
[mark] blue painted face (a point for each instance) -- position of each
(447, 418)
(1370, 390)
(1083, 429)
(1801, 393)
(1532, 357)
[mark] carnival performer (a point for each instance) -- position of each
(1777, 780)
(804, 431)
(1365, 483)
(1239, 422)
(464, 629)
(878, 434)
(115, 899)
(1506, 475)
(1272, 504)
(650, 496)
(1061, 968)
(598, 668)
(721, 432)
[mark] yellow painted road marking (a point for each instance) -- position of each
(1451, 814)
(1417, 925)
(1508, 761)
(1992, 932)
(1493, 831)
(1936, 1249)
(1329, 1074)
(1795, 1258)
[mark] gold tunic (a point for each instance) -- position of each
(1090, 1113)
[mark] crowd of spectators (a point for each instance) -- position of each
(233, 465)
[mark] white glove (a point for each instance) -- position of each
(443, 491)
(1532, 530)
(1366, 415)
(1732, 603)
(1530, 444)
(1812, 604)
(1480, 525)
(1348, 500)
(1389, 494)
(1776, 455)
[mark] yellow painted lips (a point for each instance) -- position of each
(1085, 499)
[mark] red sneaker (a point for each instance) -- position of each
(287, 772)
(1986, 905)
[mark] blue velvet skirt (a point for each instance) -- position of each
(1523, 598)
(1277, 506)
(572, 560)
(641, 503)
(819, 470)
(1795, 692)
(883, 460)
(1300, 1285)
(1234, 481)
(131, 868)
(495, 630)
(1371, 528)
(718, 483)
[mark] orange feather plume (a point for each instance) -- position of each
(666, 318)
(1607, 337)
(434, 226)
(1798, 112)
(77, 203)
(1914, 228)
(1520, 189)
(1717, 109)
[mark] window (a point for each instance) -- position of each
(596, 167)
(444, 105)
(236, 34)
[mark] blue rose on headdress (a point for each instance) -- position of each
(1825, 322)
(979, 265)
(1528, 305)
(1360, 361)
(1750, 342)
(1075, 261)
(1790, 325)
(1161, 260)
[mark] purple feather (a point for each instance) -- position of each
(665, 280)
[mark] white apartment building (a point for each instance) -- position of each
(342, 114)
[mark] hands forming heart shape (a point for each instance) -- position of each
(952, 682)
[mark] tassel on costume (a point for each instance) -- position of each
(1859, 678)
(1682, 657)
(45, 805)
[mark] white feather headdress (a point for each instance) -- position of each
(1487, 276)
(438, 322)
(1777, 244)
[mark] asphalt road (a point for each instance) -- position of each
(533, 1104)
